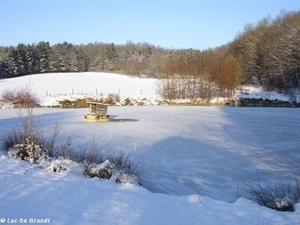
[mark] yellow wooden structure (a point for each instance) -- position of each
(97, 114)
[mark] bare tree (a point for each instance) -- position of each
(32, 132)
(24, 100)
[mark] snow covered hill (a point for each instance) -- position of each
(52, 88)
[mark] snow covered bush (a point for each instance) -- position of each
(280, 195)
(112, 99)
(27, 150)
(127, 169)
(116, 166)
(103, 165)
(28, 140)
(31, 145)
(127, 178)
(57, 165)
(104, 170)
(126, 102)
(108, 170)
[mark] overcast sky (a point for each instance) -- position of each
(199, 24)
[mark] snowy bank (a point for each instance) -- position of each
(69, 198)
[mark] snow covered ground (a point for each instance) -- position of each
(257, 92)
(194, 159)
(61, 86)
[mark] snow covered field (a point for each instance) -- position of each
(194, 159)
(60, 86)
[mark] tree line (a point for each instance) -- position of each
(266, 53)
(131, 58)
(269, 52)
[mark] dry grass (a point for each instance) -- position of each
(279, 194)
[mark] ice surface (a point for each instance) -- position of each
(193, 150)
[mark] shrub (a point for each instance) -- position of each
(57, 165)
(127, 178)
(103, 165)
(104, 170)
(121, 170)
(82, 103)
(124, 163)
(66, 103)
(21, 98)
(27, 141)
(28, 150)
(10, 138)
(117, 165)
(280, 195)
(91, 155)
(112, 99)
(126, 102)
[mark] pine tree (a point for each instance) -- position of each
(111, 52)
(43, 52)
(21, 61)
(4, 65)
(82, 61)
(31, 57)
(64, 58)
(111, 57)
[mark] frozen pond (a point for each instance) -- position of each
(191, 150)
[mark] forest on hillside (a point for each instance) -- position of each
(266, 53)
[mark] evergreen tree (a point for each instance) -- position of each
(64, 58)
(31, 57)
(4, 66)
(111, 57)
(111, 52)
(82, 61)
(43, 52)
(12, 68)
(21, 62)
